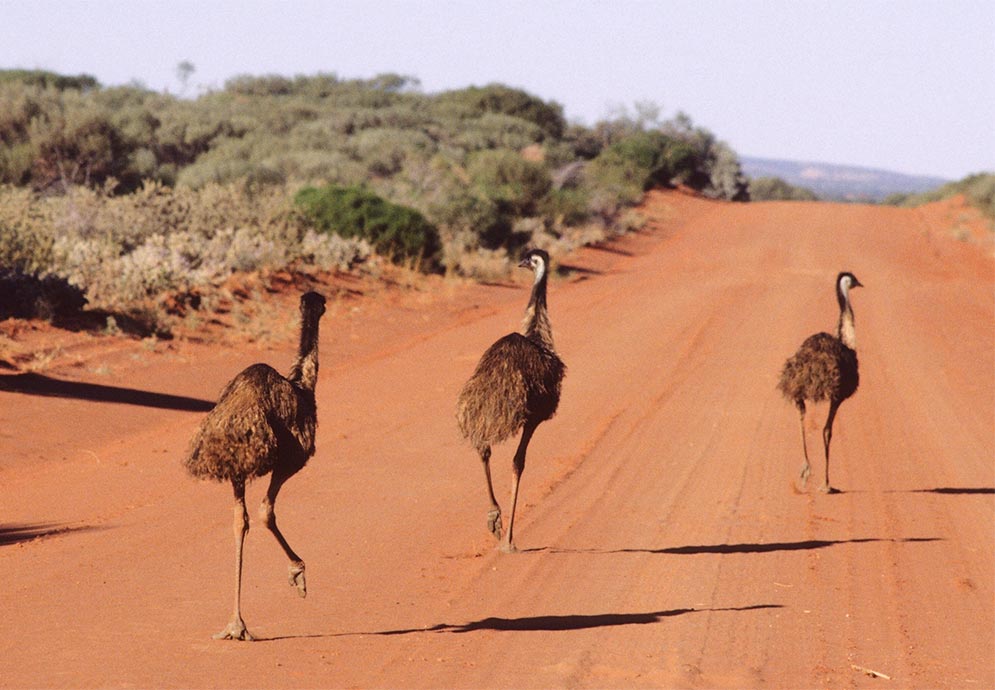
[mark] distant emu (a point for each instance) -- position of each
(262, 423)
(516, 385)
(824, 368)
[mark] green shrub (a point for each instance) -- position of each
(23, 250)
(26, 233)
(469, 214)
(45, 79)
(516, 185)
(726, 179)
(497, 130)
(642, 155)
(504, 187)
(643, 160)
(266, 85)
(475, 101)
(618, 179)
(385, 151)
(396, 231)
(79, 147)
(776, 189)
(978, 189)
(568, 205)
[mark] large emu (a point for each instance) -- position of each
(263, 423)
(516, 385)
(824, 368)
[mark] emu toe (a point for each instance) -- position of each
(235, 630)
(297, 578)
(494, 522)
(507, 547)
(803, 475)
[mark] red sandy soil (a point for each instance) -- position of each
(662, 542)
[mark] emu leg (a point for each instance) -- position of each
(268, 516)
(827, 437)
(494, 514)
(806, 468)
(508, 545)
(235, 630)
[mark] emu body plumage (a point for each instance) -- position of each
(822, 369)
(516, 380)
(261, 420)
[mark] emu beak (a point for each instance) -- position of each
(856, 283)
(525, 263)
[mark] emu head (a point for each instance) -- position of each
(846, 280)
(537, 260)
(312, 303)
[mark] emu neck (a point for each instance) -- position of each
(305, 370)
(537, 326)
(845, 330)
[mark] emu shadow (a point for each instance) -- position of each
(547, 623)
(38, 384)
(751, 548)
(95, 321)
(957, 491)
(609, 248)
(15, 534)
(572, 269)
(500, 284)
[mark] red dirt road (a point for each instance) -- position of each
(663, 544)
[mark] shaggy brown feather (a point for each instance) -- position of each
(261, 419)
(822, 369)
(516, 380)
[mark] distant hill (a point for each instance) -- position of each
(840, 182)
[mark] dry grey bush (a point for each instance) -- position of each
(123, 250)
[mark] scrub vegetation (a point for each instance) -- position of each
(978, 189)
(124, 195)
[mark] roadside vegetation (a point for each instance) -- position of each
(978, 189)
(777, 189)
(126, 195)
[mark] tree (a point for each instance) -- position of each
(184, 70)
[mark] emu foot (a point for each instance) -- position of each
(494, 523)
(507, 547)
(235, 630)
(297, 578)
(801, 485)
(803, 475)
(826, 489)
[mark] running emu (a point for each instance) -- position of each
(825, 368)
(516, 385)
(263, 423)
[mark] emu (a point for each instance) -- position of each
(516, 386)
(824, 368)
(263, 423)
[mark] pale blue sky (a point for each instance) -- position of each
(906, 86)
